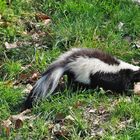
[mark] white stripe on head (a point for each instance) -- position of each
(84, 66)
(124, 65)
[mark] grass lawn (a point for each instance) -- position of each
(33, 34)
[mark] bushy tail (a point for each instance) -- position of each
(45, 86)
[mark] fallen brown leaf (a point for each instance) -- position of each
(47, 22)
(10, 45)
(35, 76)
(20, 118)
(102, 110)
(135, 62)
(42, 16)
(6, 125)
(4, 24)
(136, 1)
(123, 124)
(137, 88)
(120, 25)
(50, 126)
(28, 78)
(35, 36)
(137, 44)
(59, 130)
(26, 67)
(28, 88)
(69, 119)
(18, 123)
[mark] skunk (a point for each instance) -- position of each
(90, 68)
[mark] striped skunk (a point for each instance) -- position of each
(89, 68)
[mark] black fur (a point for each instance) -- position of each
(118, 82)
(94, 53)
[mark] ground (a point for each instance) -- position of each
(32, 34)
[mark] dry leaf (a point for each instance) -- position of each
(137, 1)
(69, 118)
(16, 120)
(42, 16)
(18, 123)
(127, 100)
(101, 110)
(47, 21)
(98, 132)
(137, 44)
(6, 125)
(135, 62)
(22, 116)
(123, 124)
(19, 118)
(78, 104)
(59, 130)
(35, 36)
(35, 76)
(137, 88)
(10, 46)
(50, 126)
(92, 110)
(1, 23)
(28, 78)
(28, 88)
(120, 25)
(26, 67)
(56, 129)
(24, 33)
(4, 24)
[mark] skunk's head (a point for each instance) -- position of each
(136, 76)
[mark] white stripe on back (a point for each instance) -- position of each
(84, 66)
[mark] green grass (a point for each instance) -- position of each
(75, 23)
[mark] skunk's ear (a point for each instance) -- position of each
(136, 76)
